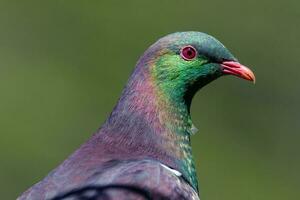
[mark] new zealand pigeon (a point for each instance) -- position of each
(143, 150)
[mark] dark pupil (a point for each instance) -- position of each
(189, 52)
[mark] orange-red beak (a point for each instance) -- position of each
(237, 69)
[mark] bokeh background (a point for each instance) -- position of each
(64, 63)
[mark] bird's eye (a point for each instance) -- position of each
(188, 52)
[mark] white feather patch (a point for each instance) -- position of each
(177, 173)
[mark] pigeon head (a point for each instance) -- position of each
(182, 63)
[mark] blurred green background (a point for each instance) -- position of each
(64, 63)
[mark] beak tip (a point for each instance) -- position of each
(251, 76)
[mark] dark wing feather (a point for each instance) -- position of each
(108, 192)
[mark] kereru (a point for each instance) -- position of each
(143, 150)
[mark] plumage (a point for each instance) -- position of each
(144, 146)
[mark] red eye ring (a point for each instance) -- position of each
(188, 52)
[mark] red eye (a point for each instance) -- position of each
(188, 53)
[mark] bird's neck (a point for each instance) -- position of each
(157, 120)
